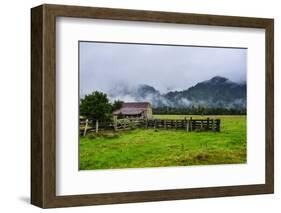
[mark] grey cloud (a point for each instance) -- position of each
(105, 65)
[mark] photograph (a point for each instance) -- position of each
(140, 105)
(147, 105)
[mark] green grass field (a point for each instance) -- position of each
(159, 148)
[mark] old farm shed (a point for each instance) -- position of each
(134, 110)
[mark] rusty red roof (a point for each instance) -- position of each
(132, 108)
(143, 105)
(127, 111)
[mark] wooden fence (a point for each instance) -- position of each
(186, 124)
(127, 124)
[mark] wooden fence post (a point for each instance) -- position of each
(130, 124)
(97, 126)
(187, 125)
(86, 127)
(213, 125)
(218, 125)
(146, 122)
(208, 120)
(115, 122)
(190, 124)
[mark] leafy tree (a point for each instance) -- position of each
(96, 106)
(117, 105)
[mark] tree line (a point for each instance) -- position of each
(199, 110)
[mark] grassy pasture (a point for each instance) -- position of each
(158, 148)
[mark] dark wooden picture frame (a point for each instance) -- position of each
(43, 105)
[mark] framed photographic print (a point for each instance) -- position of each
(137, 106)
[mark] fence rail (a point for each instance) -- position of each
(188, 125)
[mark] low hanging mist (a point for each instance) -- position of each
(216, 92)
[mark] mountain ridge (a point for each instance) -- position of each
(215, 92)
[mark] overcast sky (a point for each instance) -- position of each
(104, 66)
